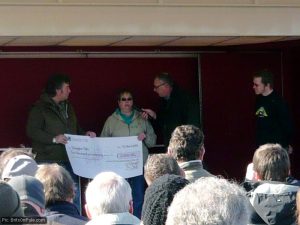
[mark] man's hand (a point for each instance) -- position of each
(141, 136)
(61, 139)
(148, 112)
(91, 134)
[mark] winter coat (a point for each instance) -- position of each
(47, 120)
(116, 127)
(274, 203)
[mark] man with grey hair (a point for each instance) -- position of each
(158, 165)
(187, 147)
(59, 191)
(218, 202)
(177, 106)
(109, 200)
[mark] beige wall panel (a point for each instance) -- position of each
(197, 41)
(209, 2)
(4, 40)
(148, 20)
(278, 2)
(156, 2)
(36, 41)
(248, 40)
(25, 2)
(92, 41)
(113, 2)
(145, 41)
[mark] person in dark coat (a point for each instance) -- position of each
(159, 196)
(50, 118)
(177, 107)
(273, 121)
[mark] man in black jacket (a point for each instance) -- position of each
(273, 121)
(177, 107)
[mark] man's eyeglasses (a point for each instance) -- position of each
(126, 99)
(157, 86)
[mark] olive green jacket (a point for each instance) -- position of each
(116, 127)
(46, 120)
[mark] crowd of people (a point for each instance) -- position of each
(40, 184)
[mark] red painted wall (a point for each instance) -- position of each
(94, 83)
(291, 72)
(228, 107)
(228, 98)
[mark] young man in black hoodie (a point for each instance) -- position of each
(273, 122)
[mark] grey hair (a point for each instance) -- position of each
(166, 78)
(108, 193)
(160, 164)
(209, 200)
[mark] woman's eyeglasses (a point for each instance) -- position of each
(126, 99)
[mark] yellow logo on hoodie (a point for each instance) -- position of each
(261, 112)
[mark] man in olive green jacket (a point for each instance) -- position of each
(50, 118)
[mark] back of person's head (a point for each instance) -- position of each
(7, 155)
(56, 82)
(158, 165)
(186, 143)
(209, 200)
(57, 181)
(166, 78)
(108, 193)
(266, 77)
(158, 198)
(271, 162)
(31, 192)
(10, 204)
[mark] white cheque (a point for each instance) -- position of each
(90, 156)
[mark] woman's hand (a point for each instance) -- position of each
(141, 136)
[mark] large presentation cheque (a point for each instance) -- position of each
(90, 156)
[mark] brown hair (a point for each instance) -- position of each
(266, 77)
(186, 143)
(271, 162)
(158, 165)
